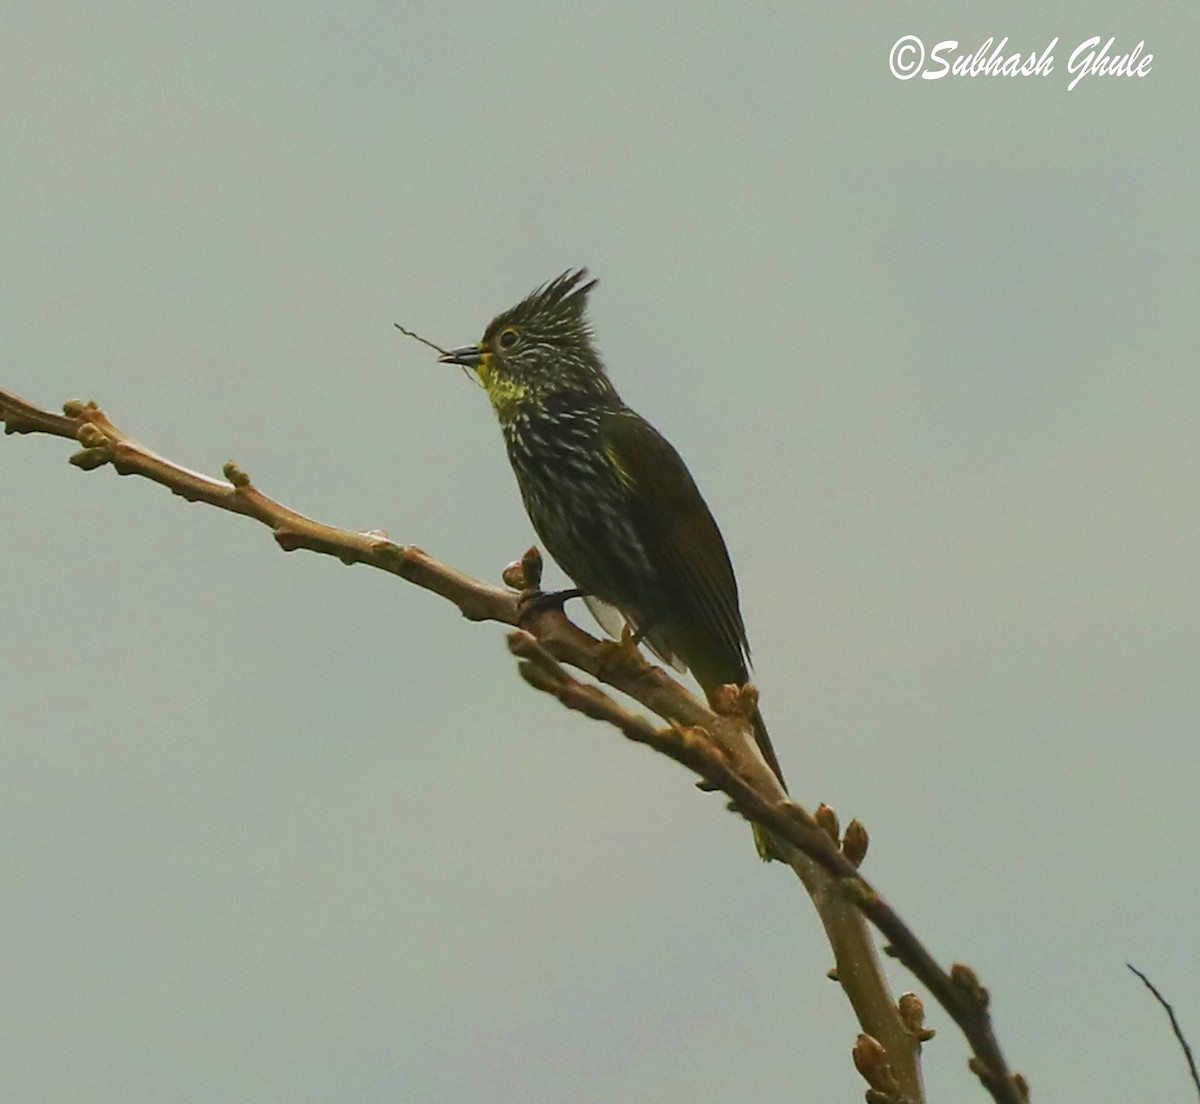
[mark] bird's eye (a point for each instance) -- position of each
(508, 338)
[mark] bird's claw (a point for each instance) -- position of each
(532, 602)
(734, 700)
(623, 655)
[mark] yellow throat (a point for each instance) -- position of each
(504, 392)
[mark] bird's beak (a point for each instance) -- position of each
(469, 355)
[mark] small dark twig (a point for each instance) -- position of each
(1187, 1050)
(423, 341)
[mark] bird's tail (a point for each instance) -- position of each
(767, 848)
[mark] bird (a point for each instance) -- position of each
(609, 497)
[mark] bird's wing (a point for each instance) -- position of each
(675, 526)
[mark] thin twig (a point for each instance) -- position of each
(1187, 1050)
(422, 340)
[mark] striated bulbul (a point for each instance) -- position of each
(610, 499)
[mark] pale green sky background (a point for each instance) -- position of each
(275, 831)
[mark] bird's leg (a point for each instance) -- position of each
(723, 699)
(525, 575)
(631, 638)
(534, 601)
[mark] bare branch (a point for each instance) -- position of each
(104, 443)
(958, 991)
(716, 746)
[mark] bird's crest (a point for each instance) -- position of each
(572, 287)
(565, 294)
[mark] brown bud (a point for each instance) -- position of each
(1021, 1085)
(723, 699)
(90, 458)
(90, 436)
(531, 567)
(870, 1059)
(827, 821)
(235, 475)
(514, 576)
(912, 1012)
(73, 408)
(855, 842)
(967, 980)
(747, 700)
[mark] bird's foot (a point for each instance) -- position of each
(622, 657)
(532, 602)
(733, 700)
